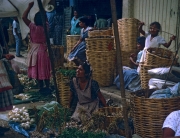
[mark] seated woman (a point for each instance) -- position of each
(86, 91)
(78, 53)
(171, 125)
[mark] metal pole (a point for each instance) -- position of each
(119, 64)
(49, 47)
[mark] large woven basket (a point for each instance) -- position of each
(128, 33)
(58, 55)
(159, 56)
(99, 44)
(144, 76)
(71, 40)
(100, 33)
(149, 114)
(103, 65)
(64, 89)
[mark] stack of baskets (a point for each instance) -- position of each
(100, 33)
(101, 55)
(58, 55)
(71, 40)
(155, 57)
(149, 114)
(128, 33)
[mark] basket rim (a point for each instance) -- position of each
(157, 55)
(112, 37)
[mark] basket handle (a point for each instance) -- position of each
(171, 66)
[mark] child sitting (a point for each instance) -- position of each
(140, 47)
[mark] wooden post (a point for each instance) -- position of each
(119, 64)
(49, 48)
(4, 39)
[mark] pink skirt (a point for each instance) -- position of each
(42, 69)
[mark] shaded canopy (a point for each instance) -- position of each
(12, 8)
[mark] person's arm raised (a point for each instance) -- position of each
(140, 28)
(26, 12)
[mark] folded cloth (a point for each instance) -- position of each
(129, 75)
(167, 93)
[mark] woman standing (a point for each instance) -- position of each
(75, 29)
(38, 60)
(86, 91)
(78, 52)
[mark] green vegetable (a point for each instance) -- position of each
(68, 72)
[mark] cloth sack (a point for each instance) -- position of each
(161, 73)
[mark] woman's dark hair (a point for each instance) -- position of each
(84, 20)
(38, 19)
(158, 25)
(87, 68)
(141, 40)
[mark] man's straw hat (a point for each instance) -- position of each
(49, 8)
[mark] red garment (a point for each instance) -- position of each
(39, 66)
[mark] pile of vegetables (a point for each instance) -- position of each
(70, 73)
(21, 116)
(26, 82)
(22, 96)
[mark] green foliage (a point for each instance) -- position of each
(52, 116)
(75, 133)
(68, 72)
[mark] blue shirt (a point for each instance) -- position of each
(139, 56)
(50, 17)
(75, 30)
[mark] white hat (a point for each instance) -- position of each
(49, 8)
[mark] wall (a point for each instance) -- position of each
(167, 12)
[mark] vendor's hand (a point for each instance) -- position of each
(31, 4)
(141, 23)
(173, 37)
(9, 56)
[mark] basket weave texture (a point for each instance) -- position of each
(144, 76)
(149, 114)
(159, 56)
(103, 65)
(64, 89)
(128, 33)
(100, 33)
(110, 114)
(71, 40)
(58, 55)
(100, 44)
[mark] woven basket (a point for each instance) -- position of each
(128, 33)
(103, 65)
(71, 40)
(144, 76)
(99, 44)
(64, 89)
(126, 58)
(159, 56)
(100, 33)
(110, 114)
(58, 55)
(149, 114)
